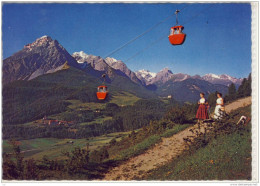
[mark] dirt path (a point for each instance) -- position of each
(239, 103)
(161, 153)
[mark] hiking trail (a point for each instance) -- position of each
(162, 152)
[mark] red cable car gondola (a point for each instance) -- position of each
(177, 37)
(102, 91)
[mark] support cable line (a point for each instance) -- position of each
(193, 17)
(150, 45)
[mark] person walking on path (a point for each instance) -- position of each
(202, 112)
(219, 109)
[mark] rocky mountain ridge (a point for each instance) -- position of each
(44, 55)
(147, 78)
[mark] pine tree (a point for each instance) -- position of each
(248, 88)
(13, 165)
(245, 88)
(241, 89)
(212, 99)
(232, 89)
(77, 160)
(232, 94)
(31, 171)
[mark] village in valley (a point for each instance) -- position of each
(53, 122)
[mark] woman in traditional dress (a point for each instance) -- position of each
(219, 110)
(202, 112)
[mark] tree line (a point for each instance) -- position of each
(123, 119)
(243, 90)
(27, 101)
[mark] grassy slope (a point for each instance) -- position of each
(71, 77)
(124, 98)
(141, 147)
(76, 78)
(228, 157)
(122, 91)
(120, 83)
(119, 98)
(35, 97)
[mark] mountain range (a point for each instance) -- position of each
(165, 75)
(46, 55)
(146, 77)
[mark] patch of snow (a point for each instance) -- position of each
(145, 73)
(80, 56)
(185, 77)
(227, 77)
(212, 76)
(43, 37)
(110, 59)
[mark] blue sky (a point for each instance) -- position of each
(218, 39)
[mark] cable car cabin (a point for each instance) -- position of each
(177, 37)
(102, 92)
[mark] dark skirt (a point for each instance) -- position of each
(202, 112)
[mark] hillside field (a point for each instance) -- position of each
(53, 147)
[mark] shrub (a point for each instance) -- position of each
(99, 156)
(139, 148)
(177, 115)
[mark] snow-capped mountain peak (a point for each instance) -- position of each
(163, 76)
(81, 56)
(111, 60)
(51, 57)
(116, 64)
(221, 79)
(144, 73)
(45, 36)
(145, 76)
(225, 76)
(38, 42)
(180, 77)
(210, 75)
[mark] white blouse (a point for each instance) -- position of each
(219, 100)
(202, 100)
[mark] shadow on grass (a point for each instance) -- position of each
(97, 171)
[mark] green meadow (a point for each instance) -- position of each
(54, 148)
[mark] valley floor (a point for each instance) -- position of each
(53, 147)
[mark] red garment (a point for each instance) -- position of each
(202, 112)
